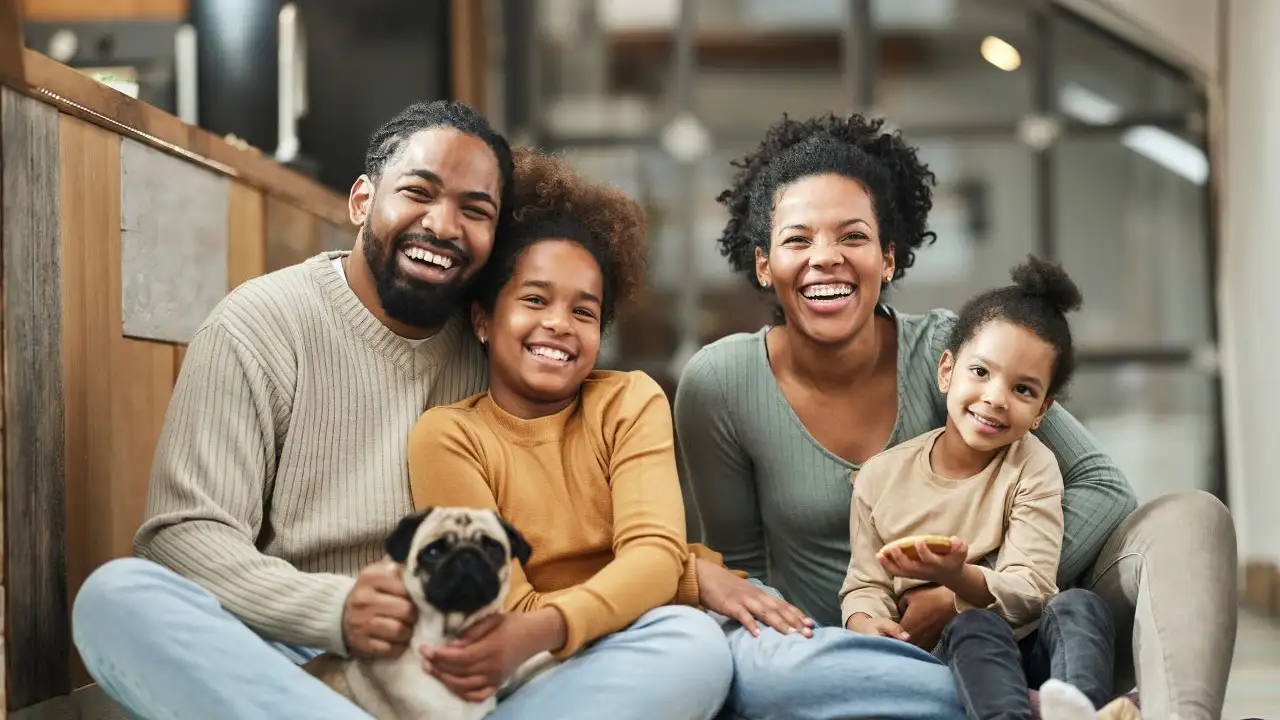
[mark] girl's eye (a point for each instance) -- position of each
(979, 371)
(585, 312)
(1023, 390)
(533, 300)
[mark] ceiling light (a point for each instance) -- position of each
(1088, 106)
(1169, 150)
(1000, 53)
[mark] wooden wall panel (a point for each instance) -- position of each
(247, 241)
(38, 628)
(109, 10)
(117, 388)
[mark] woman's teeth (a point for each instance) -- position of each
(828, 291)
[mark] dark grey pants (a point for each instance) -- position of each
(1075, 643)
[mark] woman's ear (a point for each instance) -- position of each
(762, 268)
(946, 364)
(480, 323)
(890, 265)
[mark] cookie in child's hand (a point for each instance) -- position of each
(939, 544)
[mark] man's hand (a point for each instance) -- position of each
(925, 612)
(475, 665)
(864, 624)
(721, 591)
(378, 617)
(942, 569)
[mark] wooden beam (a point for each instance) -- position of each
(11, 42)
(79, 95)
(468, 55)
(38, 632)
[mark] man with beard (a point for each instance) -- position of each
(281, 466)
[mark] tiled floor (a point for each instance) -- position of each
(1254, 688)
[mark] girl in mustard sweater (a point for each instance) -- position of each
(582, 462)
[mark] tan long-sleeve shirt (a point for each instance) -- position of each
(1009, 514)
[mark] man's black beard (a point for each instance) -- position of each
(408, 300)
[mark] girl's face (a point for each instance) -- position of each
(997, 388)
(544, 334)
(825, 260)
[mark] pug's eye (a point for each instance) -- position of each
(494, 550)
(431, 553)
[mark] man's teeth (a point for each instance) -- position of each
(550, 353)
(828, 291)
(426, 256)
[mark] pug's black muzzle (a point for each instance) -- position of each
(463, 581)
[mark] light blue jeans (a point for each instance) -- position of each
(834, 675)
(162, 647)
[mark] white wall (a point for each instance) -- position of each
(1250, 254)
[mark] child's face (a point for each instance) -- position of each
(544, 334)
(997, 387)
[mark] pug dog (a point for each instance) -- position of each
(457, 565)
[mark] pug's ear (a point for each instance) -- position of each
(401, 539)
(520, 549)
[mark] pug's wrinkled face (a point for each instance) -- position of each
(456, 560)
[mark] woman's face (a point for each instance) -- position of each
(544, 334)
(824, 261)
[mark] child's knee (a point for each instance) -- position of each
(1079, 606)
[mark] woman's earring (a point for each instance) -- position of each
(764, 284)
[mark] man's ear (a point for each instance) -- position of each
(401, 539)
(358, 200)
(946, 364)
(520, 549)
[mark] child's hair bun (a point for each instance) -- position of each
(1049, 282)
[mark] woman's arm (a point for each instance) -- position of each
(1096, 496)
(717, 469)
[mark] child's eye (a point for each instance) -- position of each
(533, 300)
(1023, 390)
(585, 312)
(978, 371)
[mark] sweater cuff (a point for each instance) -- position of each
(687, 592)
(336, 642)
(702, 552)
(574, 608)
(963, 605)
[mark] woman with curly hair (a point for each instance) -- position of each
(580, 461)
(774, 425)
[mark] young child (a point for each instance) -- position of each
(582, 462)
(976, 506)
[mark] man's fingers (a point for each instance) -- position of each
(375, 647)
(395, 608)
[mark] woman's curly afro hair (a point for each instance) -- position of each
(552, 202)
(855, 147)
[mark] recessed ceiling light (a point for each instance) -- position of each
(1000, 53)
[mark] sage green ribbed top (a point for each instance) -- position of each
(776, 503)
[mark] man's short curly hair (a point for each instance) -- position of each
(855, 147)
(552, 202)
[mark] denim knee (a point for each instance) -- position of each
(1079, 607)
(978, 621)
(689, 638)
(120, 593)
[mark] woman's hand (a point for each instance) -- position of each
(941, 569)
(864, 624)
(475, 665)
(721, 591)
(925, 613)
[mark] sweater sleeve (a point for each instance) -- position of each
(649, 547)
(1096, 495)
(718, 469)
(1022, 580)
(867, 587)
(213, 470)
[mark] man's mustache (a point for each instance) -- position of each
(431, 240)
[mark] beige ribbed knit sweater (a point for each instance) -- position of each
(282, 463)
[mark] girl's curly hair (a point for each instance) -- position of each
(551, 201)
(855, 147)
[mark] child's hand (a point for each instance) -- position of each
(866, 625)
(939, 568)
